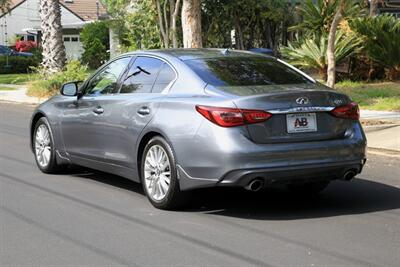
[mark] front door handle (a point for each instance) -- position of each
(144, 111)
(98, 110)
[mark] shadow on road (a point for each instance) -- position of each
(340, 198)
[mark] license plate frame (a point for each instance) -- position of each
(301, 123)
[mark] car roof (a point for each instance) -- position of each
(197, 53)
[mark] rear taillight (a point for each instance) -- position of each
(349, 111)
(230, 117)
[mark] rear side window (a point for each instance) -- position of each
(141, 76)
(165, 76)
(245, 71)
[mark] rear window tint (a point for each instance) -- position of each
(245, 71)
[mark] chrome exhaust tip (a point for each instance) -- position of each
(255, 185)
(348, 175)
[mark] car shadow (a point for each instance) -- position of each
(340, 198)
(359, 196)
(105, 178)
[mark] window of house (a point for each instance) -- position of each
(31, 38)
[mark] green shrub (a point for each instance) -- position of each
(95, 40)
(381, 41)
(47, 86)
(17, 64)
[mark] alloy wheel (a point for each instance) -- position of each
(157, 173)
(43, 146)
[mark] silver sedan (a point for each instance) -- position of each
(177, 120)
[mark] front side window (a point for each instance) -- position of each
(105, 82)
(141, 76)
(245, 71)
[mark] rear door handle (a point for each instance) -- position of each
(98, 110)
(144, 111)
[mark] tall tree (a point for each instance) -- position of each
(52, 43)
(167, 13)
(191, 24)
(174, 10)
(373, 8)
(330, 52)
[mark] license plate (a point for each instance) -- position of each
(301, 122)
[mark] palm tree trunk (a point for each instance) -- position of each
(191, 24)
(5, 5)
(52, 43)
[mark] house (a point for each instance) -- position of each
(23, 21)
(390, 7)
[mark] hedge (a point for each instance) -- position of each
(17, 64)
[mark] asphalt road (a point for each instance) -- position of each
(89, 218)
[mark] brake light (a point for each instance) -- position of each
(231, 117)
(349, 111)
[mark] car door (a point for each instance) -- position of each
(127, 113)
(82, 121)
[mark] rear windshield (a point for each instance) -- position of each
(245, 71)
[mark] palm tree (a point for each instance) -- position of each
(52, 43)
(311, 52)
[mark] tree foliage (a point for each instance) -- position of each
(95, 40)
(135, 22)
(310, 53)
(317, 16)
(256, 23)
(381, 41)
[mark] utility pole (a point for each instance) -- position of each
(7, 66)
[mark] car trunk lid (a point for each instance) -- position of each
(292, 108)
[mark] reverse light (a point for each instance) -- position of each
(231, 117)
(350, 111)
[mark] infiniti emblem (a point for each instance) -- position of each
(302, 100)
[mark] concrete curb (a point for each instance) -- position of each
(374, 128)
(383, 152)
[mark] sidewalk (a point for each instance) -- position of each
(18, 95)
(380, 115)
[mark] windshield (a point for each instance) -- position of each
(245, 71)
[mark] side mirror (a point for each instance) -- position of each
(69, 89)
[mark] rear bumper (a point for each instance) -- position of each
(227, 157)
(292, 174)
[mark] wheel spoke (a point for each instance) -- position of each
(164, 185)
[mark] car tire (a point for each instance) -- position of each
(311, 188)
(155, 178)
(43, 147)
